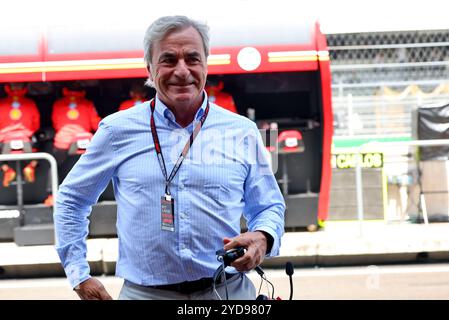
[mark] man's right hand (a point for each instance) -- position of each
(92, 289)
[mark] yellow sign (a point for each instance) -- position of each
(349, 160)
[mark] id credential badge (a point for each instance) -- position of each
(167, 213)
(167, 202)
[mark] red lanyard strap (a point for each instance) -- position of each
(184, 152)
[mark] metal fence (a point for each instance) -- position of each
(389, 47)
(379, 78)
(387, 113)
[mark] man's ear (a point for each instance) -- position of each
(149, 72)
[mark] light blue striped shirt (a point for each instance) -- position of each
(225, 174)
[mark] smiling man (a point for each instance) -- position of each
(179, 72)
(180, 186)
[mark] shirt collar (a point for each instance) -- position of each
(163, 111)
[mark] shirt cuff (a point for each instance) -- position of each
(274, 250)
(77, 273)
(270, 240)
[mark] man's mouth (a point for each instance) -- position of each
(181, 84)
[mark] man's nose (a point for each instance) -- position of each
(182, 70)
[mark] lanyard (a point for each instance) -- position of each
(184, 152)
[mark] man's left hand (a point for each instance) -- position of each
(256, 248)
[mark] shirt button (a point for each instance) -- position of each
(181, 186)
(183, 246)
(183, 215)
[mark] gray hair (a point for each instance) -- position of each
(164, 25)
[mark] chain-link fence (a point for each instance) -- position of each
(379, 78)
(388, 47)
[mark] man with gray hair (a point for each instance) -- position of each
(180, 188)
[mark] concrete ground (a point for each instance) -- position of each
(409, 282)
(340, 243)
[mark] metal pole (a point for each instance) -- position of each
(359, 191)
(340, 90)
(418, 143)
(36, 156)
(350, 115)
(422, 201)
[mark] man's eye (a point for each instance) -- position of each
(168, 60)
(193, 60)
